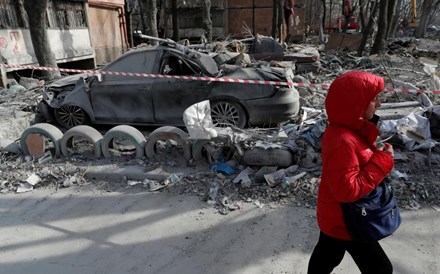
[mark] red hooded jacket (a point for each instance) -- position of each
(351, 164)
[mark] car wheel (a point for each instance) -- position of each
(227, 113)
(71, 116)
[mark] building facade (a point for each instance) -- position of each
(82, 34)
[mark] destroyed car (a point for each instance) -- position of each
(107, 97)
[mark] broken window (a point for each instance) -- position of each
(63, 14)
(176, 66)
(66, 14)
(12, 14)
(141, 62)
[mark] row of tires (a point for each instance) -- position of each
(192, 150)
(101, 143)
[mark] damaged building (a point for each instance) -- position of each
(82, 34)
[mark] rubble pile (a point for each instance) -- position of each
(265, 166)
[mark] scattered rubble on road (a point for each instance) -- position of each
(263, 166)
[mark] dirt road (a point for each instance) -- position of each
(95, 229)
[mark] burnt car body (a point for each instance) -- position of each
(116, 99)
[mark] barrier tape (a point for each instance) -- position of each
(208, 79)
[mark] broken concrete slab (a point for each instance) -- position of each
(266, 157)
(391, 111)
(341, 41)
(9, 146)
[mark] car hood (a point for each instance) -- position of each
(68, 80)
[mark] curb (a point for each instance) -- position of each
(115, 172)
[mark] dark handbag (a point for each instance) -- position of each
(374, 216)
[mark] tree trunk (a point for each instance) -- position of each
(165, 19)
(159, 6)
(36, 11)
(175, 14)
(142, 9)
(282, 27)
(390, 16)
(275, 19)
(346, 16)
(150, 7)
(322, 24)
(129, 25)
(395, 20)
(367, 31)
(379, 41)
(426, 10)
(207, 22)
(361, 14)
(331, 23)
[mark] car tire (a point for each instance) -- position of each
(166, 133)
(68, 116)
(49, 131)
(126, 132)
(93, 136)
(228, 113)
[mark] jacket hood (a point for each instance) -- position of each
(349, 96)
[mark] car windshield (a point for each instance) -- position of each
(205, 61)
(136, 61)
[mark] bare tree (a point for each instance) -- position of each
(150, 20)
(361, 14)
(207, 22)
(129, 7)
(427, 9)
(395, 19)
(368, 28)
(36, 12)
(379, 41)
(175, 17)
(275, 14)
(391, 10)
(282, 28)
(322, 24)
(278, 28)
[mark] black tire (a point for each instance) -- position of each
(228, 113)
(71, 116)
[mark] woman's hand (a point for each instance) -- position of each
(388, 148)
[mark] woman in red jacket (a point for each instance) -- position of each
(352, 166)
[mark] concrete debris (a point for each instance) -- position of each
(259, 204)
(293, 179)
(172, 179)
(24, 187)
(16, 89)
(30, 83)
(133, 182)
(258, 166)
(276, 178)
(33, 179)
(9, 146)
(243, 175)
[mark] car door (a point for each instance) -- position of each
(125, 99)
(172, 96)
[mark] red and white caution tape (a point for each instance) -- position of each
(207, 79)
(149, 75)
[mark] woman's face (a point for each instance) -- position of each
(371, 109)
